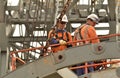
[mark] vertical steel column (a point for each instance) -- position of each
(117, 10)
(3, 39)
(118, 30)
(112, 18)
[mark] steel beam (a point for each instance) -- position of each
(27, 39)
(49, 65)
(71, 19)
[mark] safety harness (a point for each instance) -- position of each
(78, 34)
(62, 37)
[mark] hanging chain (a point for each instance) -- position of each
(63, 12)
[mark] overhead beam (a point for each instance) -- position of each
(71, 19)
(27, 39)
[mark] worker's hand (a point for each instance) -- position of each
(62, 42)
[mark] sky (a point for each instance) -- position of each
(13, 2)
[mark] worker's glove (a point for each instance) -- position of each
(62, 42)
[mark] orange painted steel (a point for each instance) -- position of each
(101, 37)
(30, 49)
(13, 62)
(86, 68)
(20, 60)
(24, 50)
(104, 63)
(86, 65)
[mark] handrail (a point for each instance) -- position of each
(30, 49)
(93, 65)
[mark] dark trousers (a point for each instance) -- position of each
(81, 71)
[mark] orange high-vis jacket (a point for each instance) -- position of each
(88, 31)
(67, 38)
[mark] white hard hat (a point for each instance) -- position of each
(64, 18)
(93, 17)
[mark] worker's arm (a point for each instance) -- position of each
(54, 41)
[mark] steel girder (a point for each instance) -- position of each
(47, 67)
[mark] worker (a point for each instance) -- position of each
(59, 35)
(87, 31)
